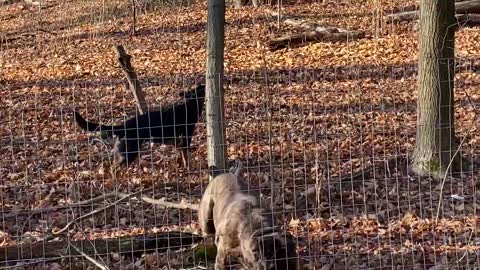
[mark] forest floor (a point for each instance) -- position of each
(337, 114)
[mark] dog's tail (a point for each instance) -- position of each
(92, 127)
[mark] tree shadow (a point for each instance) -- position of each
(281, 75)
(56, 36)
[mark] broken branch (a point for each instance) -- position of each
(125, 63)
(62, 247)
(472, 6)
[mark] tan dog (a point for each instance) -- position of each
(235, 218)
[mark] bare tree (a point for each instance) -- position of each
(436, 146)
(214, 86)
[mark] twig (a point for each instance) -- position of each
(5, 38)
(73, 205)
(134, 10)
(47, 198)
(100, 198)
(183, 204)
(440, 199)
(92, 260)
(99, 210)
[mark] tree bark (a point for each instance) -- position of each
(436, 147)
(216, 150)
(471, 6)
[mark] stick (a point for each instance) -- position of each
(183, 204)
(99, 210)
(99, 198)
(92, 260)
(73, 205)
(59, 248)
(472, 6)
(440, 199)
(133, 82)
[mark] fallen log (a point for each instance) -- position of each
(61, 248)
(299, 38)
(471, 6)
(6, 38)
(468, 19)
(313, 32)
(308, 25)
(463, 20)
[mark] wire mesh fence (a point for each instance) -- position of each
(326, 133)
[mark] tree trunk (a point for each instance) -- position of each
(436, 147)
(216, 152)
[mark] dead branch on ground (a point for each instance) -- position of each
(63, 247)
(123, 196)
(183, 204)
(98, 264)
(6, 38)
(465, 7)
(127, 196)
(300, 38)
(313, 32)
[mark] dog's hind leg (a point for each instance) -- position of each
(126, 151)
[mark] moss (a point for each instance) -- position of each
(205, 252)
(429, 167)
(434, 166)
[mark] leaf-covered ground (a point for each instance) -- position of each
(341, 115)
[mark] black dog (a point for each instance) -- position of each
(173, 125)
